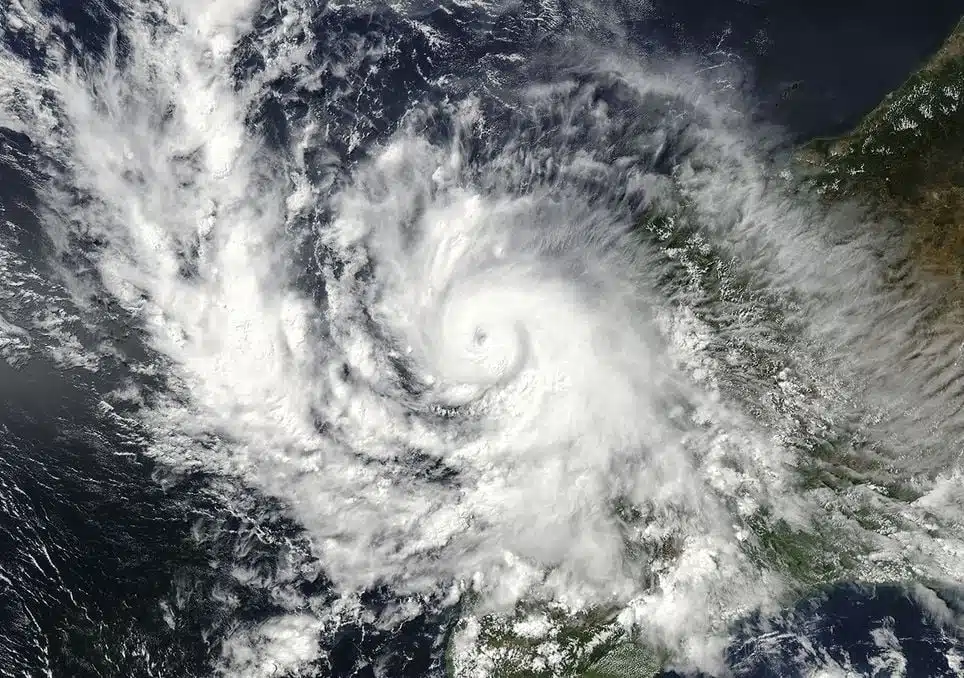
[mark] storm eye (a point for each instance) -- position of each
(480, 337)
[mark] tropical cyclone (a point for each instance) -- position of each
(923, 122)
(553, 345)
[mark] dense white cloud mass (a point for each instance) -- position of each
(497, 372)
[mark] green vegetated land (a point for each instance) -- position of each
(904, 161)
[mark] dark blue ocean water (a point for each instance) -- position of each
(99, 575)
(816, 67)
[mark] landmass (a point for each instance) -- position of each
(903, 162)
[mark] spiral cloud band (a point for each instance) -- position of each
(562, 339)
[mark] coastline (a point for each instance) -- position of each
(903, 162)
